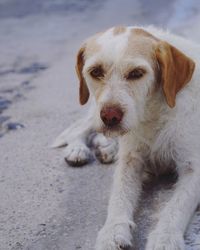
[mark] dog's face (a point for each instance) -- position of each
(122, 68)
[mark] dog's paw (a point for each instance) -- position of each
(77, 154)
(115, 237)
(165, 241)
(105, 149)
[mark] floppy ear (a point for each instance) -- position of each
(176, 70)
(83, 89)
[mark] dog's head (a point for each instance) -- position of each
(122, 68)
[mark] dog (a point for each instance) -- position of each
(145, 88)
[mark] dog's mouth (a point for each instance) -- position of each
(112, 131)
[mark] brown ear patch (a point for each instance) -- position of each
(83, 89)
(176, 70)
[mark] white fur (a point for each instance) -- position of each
(154, 132)
(77, 139)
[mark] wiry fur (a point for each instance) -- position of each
(154, 134)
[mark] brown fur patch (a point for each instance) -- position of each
(142, 44)
(119, 30)
(142, 32)
(166, 60)
(83, 89)
(176, 68)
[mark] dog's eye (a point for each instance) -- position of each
(97, 72)
(135, 74)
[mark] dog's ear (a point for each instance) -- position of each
(83, 89)
(176, 70)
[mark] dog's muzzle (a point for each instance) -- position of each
(111, 116)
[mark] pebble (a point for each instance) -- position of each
(14, 125)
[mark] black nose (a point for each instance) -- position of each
(111, 116)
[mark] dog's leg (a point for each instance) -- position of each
(74, 138)
(116, 233)
(77, 153)
(174, 218)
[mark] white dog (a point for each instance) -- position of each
(146, 89)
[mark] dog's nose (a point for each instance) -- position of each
(111, 116)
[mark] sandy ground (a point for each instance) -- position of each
(46, 204)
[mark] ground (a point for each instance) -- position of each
(46, 204)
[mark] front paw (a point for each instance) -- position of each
(77, 154)
(168, 240)
(115, 236)
(105, 149)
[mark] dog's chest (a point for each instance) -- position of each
(156, 116)
(148, 131)
(150, 143)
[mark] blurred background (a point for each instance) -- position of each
(45, 204)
